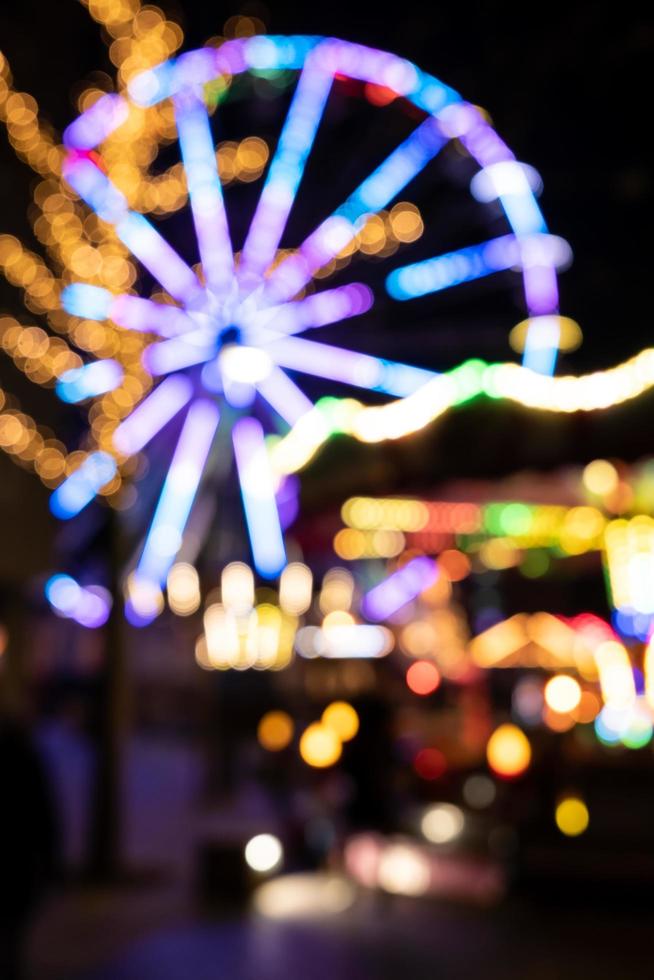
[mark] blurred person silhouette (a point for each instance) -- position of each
(28, 838)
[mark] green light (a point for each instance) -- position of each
(535, 563)
(638, 734)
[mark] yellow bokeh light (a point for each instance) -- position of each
(320, 746)
(600, 477)
(562, 693)
(342, 719)
(571, 816)
(508, 751)
(275, 731)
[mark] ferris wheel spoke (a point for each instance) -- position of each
(130, 312)
(180, 352)
(205, 191)
(284, 396)
(152, 414)
(537, 256)
(164, 537)
(285, 172)
(134, 230)
(453, 268)
(348, 367)
(319, 310)
(258, 494)
(146, 316)
(79, 489)
(373, 194)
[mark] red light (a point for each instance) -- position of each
(423, 677)
(379, 94)
(430, 764)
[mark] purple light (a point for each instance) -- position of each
(89, 606)
(288, 500)
(152, 414)
(258, 494)
(207, 205)
(541, 289)
(286, 171)
(144, 241)
(368, 64)
(348, 367)
(97, 123)
(318, 310)
(173, 355)
(399, 588)
(180, 487)
(135, 313)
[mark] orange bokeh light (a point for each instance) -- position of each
(423, 677)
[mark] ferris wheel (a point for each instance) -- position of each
(256, 305)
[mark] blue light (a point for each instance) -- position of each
(635, 624)
(86, 382)
(432, 95)
(153, 85)
(80, 487)
(178, 493)
(95, 188)
(397, 170)
(92, 302)
(258, 494)
(63, 593)
(524, 215)
(453, 268)
(610, 724)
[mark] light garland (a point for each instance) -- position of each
(471, 379)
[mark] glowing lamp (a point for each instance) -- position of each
(508, 751)
(571, 816)
(320, 746)
(342, 719)
(423, 677)
(562, 693)
(264, 853)
(275, 731)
